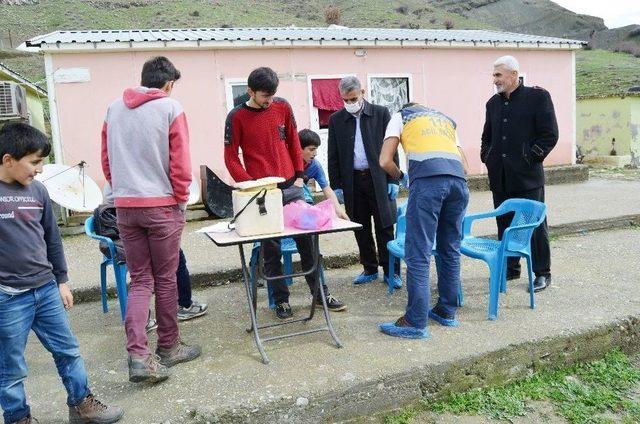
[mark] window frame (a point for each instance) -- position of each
(229, 83)
(314, 118)
(408, 76)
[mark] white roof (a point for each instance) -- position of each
(22, 80)
(332, 36)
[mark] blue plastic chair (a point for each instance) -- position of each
(288, 248)
(396, 250)
(516, 242)
(120, 270)
(396, 246)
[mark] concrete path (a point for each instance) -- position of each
(570, 206)
(592, 305)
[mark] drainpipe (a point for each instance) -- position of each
(53, 110)
(56, 141)
(574, 110)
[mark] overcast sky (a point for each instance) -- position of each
(616, 13)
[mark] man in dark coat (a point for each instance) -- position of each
(519, 132)
(356, 135)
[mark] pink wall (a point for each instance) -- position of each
(455, 81)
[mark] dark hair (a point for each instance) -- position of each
(20, 140)
(157, 71)
(308, 138)
(263, 79)
(406, 105)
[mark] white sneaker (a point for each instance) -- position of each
(196, 309)
(152, 324)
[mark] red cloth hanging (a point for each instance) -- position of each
(326, 94)
(323, 117)
(326, 97)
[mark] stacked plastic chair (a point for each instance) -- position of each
(396, 250)
(396, 246)
(516, 242)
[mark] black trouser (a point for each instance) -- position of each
(273, 255)
(365, 206)
(184, 282)
(540, 251)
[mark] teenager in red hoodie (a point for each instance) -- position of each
(145, 158)
(265, 129)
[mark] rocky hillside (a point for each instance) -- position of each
(544, 17)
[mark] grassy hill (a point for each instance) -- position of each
(602, 73)
(43, 16)
(33, 17)
(598, 72)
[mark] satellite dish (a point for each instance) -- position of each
(70, 187)
(194, 191)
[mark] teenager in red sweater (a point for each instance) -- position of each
(265, 129)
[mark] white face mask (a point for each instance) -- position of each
(353, 107)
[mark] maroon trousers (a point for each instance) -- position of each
(151, 238)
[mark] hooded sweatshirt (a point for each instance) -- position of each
(145, 150)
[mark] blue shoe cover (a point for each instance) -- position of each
(365, 278)
(443, 321)
(391, 329)
(397, 281)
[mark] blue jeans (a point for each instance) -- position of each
(435, 210)
(40, 310)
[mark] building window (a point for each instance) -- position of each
(326, 99)
(236, 91)
(240, 95)
(390, 91)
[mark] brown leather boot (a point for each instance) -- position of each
(178, 353)
(91, 410)
(147, 369)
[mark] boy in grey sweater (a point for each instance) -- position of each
(33, 284)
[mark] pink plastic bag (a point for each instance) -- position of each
(304, 216)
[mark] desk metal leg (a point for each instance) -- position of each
(251, 290)
(318, 258)
(251, 298)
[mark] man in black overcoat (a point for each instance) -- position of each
(520, 130)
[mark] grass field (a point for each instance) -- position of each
(26, 21)
(599, 392)
(602, 73)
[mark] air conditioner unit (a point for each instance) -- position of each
(13, 102)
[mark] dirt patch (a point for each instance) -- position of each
(619, 174)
